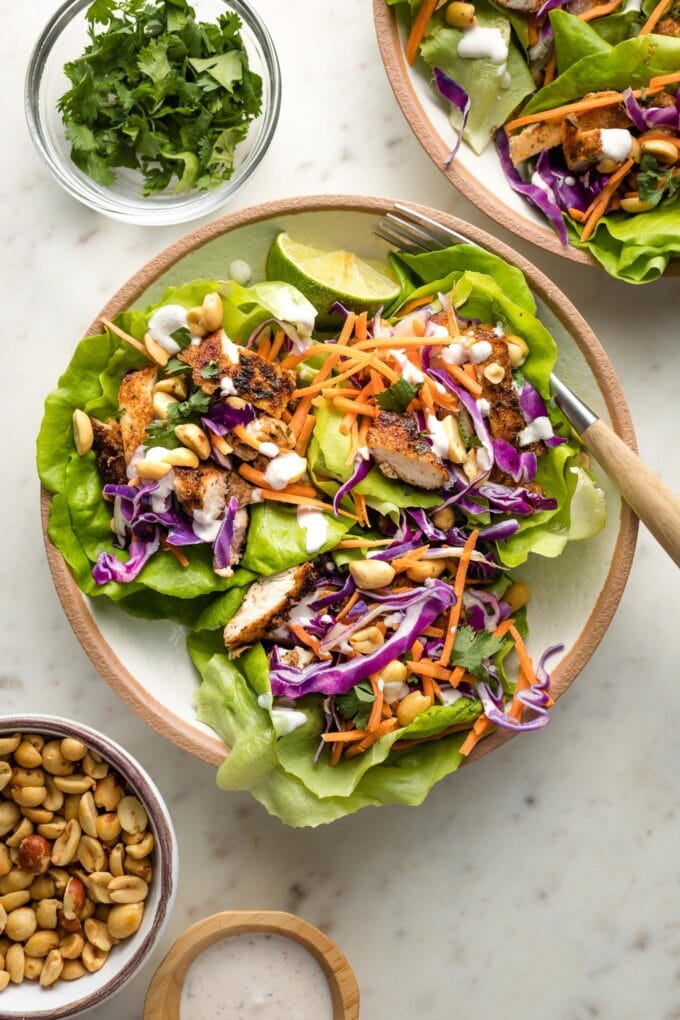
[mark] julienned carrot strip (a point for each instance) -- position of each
(378, 698)
(277, 344)
(360, 507)
(464, 379)
(532, 32)
(350, 604)
(343, 736)
(550, 68)
(285, 497)
(319, 381)
(601, 11)
(292, 360)
(578, 215)
(386, 711)
(378, 384)
(307, 639)
(411, 306)
(433, 632)
(592, 103)
(340, 391)
(386, 726)
(264, 347)
(428, 687)
(458, 588)
(305, 435)
(503, 628)
(418, 29)
(429, 669)
(481, 726)
(417, 649)
(177, 553)
(241, 433)
(355, 407)
(599, 206)
(454, 329)
(363, 543)
(457, 676)
(360, 326)
(656, 16)
(336, 753)
(400, 342)
(258, 479)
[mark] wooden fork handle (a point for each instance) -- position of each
(656, 506)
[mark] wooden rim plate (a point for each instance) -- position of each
(468, 172)
(165, 991)
(129, 652)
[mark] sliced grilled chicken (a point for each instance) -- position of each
(298, 657)
(268, 602)
(135, 398)
(264, 429)
(208, 489)
(240, 373)
(401, 452)
(536, 137)
(108, 452)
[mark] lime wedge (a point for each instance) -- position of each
(328, 276)
(588, 508)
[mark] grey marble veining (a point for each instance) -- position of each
(541, 884)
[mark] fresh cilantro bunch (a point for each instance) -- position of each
(656, 182)
(159, 92)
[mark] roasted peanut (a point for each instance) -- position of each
(141, 868)
(54, 762)
(93, 766)
(42, 888)
(143, 848)
(76, 784)
(16, 881)
(98, 886)
(12, 900)
(71, 946)
(125, 919)
(3, 919)
(35, 854)
(15, 962)
(27, 756)
(108, 828)
(87, 814)
(46, 913)
(98, 934)
(132, 815)
(5, 861)
(71, 806)
(117, 858)
(72, 970)
(460, 15)
(494, 372)
(41, 943)
(175, 384)
(422, 570)
(72, 749)
(9, 816)
(371, 574)
(10, 743)
(21, 923)
(181, 457)
(54, 801)
(157, 353)
(38, 815)
(212, 311)
(83, 435)
(366, 640)
(28, 796)
(194, 438)
(53, 969)
(4, 979)
(413, 705)
(152, 469)
(394, 672)
(108, 793)
(33, 966)
(74, 898)
(65, 848)
(91, 854)
(93, 958)
(128, 889)
(5, 774)
(23, 829)
(444, 519)
(661, 149)
(195, 321)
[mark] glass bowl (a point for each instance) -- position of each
(64, 38)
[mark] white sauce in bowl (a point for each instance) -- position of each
(255, 977)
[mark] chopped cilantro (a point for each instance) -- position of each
(182, 337)
(656, 182)
(162, 431)
(398, 396)
(356, 704)
(210, 371)
(175, 367)
(158, 91)
(472, 647)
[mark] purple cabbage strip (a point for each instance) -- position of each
(470, 405)
(109, 568)
(546, 203)
(458, 97)
(549, 5)
(222, 544)
(516, 501)
(482, 609)
(337, 596)
(520, 466)
(222, 417)
(499, 532)
(362, 465)
(340, 678)
(570, 190)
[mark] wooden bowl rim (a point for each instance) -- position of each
(399, 77)
(164, 992)
(185, 734)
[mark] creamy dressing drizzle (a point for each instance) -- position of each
(164, 321)
(479, 42)
(240, 271)
(409, 371)
(230, 350)
(283, 468)
(455, 354)
(205, 527)
(227, 387)
(255, 977)
(315, 525)
(539, 428)
(616, 143)
(440, 443)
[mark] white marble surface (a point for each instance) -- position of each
(541, 884)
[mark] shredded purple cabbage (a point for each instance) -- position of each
(458, 97)
(536, 195)
(362, 465)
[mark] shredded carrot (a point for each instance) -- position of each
(339, 391)
(428, 687)
(285, 497)
(457, 676)
(177, 553)
(355, 407)
(550, 68)
(429, 669)
(349, 605)
(277, 344)
(578, 215)
(481, 726)
(471, 385)
(592, 103)
(452, 318)
(378, 384)
(599, 206)
(417, 650)
(241, 433)
(600, 11)
(504, 627)
(471, 371)
(258, 479)
(386, 726)
(319, 381)
(360, 326)
(418, 29)
(363, 543)
(336, 753)
(532, 31)
(308, 640)
(400, 342)
(376, 710)
(458, 588)
(656, 16)
(263, 347)
(386, 711)
(411, 306)
(360, 507)
(305, 435)
(408, 559)
(127, 338)
(650, 136)
(343, 736)
(292, 360)
(433, 632)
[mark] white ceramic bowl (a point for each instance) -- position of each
(28, 1000)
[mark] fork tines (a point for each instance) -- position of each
(407, 228)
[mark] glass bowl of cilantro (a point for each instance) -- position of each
(153, 111)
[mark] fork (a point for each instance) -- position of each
(656, 506)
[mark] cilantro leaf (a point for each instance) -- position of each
(471, 647)
(656, 182)
(398, 396)
(153, 60)
(182, 337)
(210, 371)
(161, 432)
(175, 367)
(356, 704)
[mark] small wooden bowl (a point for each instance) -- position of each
(165, 991)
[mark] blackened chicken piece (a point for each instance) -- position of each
(548, 135)
(208, 489)
(135, 399)
(260, 382)
(267, 604)
(108, 452)
(401, 452)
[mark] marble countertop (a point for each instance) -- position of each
(541, 884)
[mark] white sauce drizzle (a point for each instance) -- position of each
(255, 977)
(440, 442)
(484, 406)
(164, 321)
(480, 351)
(270, 450)
(205, 527)
(231, 351)
(539, 428)
(538, 182)
(449, 695)
(616, 143)
(283, 468)
(409, 371)
(240, 271)
(479, 42)
(227, 387)
(455, 354)
(287, 720)
(315, 525)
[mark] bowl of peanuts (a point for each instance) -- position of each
(88, 867)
